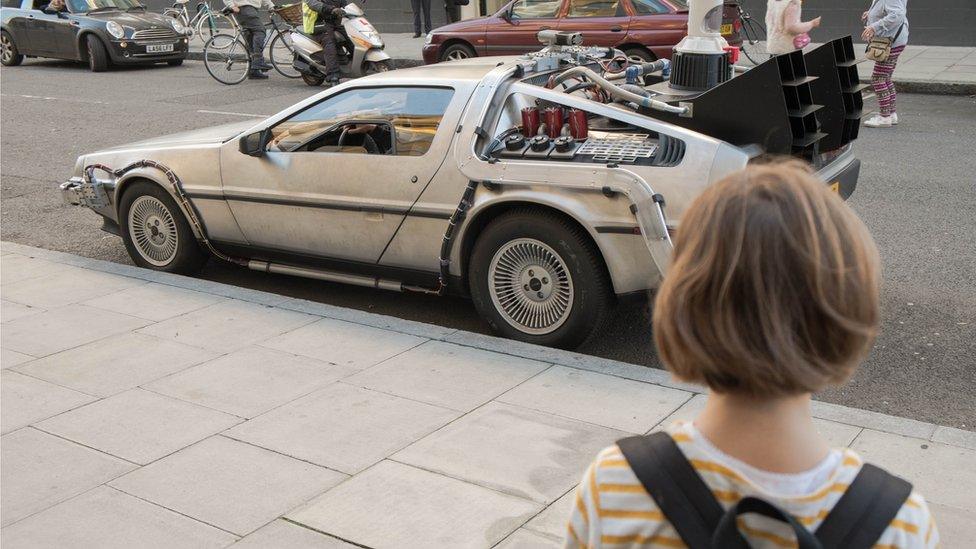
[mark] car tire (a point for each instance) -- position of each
(456, 52)
(536, 276)
(11, 56)
(639, 54)
(313, 79)
(97, 54)
(156, 234)
(174, 62)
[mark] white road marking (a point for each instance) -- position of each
(234, 113)
(65, 99)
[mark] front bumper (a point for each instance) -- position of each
(431, 52)
(135, 51)
(842, 174)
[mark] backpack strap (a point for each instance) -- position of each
(676, 487)
(865, 510)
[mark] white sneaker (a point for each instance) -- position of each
(878, 121)
(894, 119)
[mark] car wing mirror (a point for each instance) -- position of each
(507, 13)
(253, 144)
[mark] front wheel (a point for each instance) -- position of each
(537, 277)
(10, 56)
(97, 54)
(456, 52)
(374, 67)
(227, 59)
(214, 23)
(174, 62)
(155, 233)
(282, 57)
(313, 79)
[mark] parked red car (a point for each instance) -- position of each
(643, 29)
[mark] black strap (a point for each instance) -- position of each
(728, 536)
(865, 510)
(679, 492)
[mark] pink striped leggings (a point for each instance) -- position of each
(884, 88)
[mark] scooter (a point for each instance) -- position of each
(358, 44)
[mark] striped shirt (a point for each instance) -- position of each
(613, 510)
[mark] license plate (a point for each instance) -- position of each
(835, 186)
(159, 48)
(726, 29)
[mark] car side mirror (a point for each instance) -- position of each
(507, 13)
(253, 144)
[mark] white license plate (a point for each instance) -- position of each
(159, 48)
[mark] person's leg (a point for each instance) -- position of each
(330, 55)
(415, 5)
(427, 25)
(892, 94)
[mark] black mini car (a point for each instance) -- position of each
(99, 32)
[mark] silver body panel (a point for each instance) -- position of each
(392, 211)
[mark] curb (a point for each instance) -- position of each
(823, 410)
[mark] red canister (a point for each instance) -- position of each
(554, 120)
(578, 126)
(530, 121)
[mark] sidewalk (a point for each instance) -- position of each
(142, 409)
(920, 69)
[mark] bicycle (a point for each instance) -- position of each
(753, 36)
(206, 19)
(228, 60)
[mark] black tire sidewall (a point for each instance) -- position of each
(312, 80)
(464, 47)
(189, 257)
(639, 52)
(174, 62)
(17, 57)
(97, 54)
(591, 287)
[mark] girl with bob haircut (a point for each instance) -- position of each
(773, 295)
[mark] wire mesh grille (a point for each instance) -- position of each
(625, 147)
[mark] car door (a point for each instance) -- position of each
(602, 22)
(15, 14)
(657, 26)
(40, 31)
(516, 32)
(318, 193)
(60, 34)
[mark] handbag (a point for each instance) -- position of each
(879, 48)
(801, 41)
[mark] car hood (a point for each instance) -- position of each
(468, 25)
(204, 136)
(135, 19)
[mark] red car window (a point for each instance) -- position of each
(649, 7)
(592, 8)
(535, 9)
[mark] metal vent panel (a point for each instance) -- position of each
(625, 147)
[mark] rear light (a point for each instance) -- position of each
(737, 24)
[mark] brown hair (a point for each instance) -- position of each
(773, 289)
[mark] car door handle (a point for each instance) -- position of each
(616, 28)
(545, 28)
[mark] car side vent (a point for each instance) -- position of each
(670, 151)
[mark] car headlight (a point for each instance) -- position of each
(115, 29)
(177, 26)
(429, 38)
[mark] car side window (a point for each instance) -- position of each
(11, 3)
(535, 9)
(398, 121)
(593, 8)
(649, 7)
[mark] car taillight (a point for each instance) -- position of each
(737, 24)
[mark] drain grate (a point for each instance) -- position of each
(624, 147)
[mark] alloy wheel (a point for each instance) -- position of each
(152, 228)
(530, 286)
(6, 49)
(457, 55)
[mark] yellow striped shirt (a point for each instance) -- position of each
(613, 510)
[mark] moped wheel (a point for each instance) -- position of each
(373, 67)
(213, 24)
(282, 57)
(226, 59)
(313, 79)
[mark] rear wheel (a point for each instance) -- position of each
(97, 54)
(754, 41)
(456, 52)
(213, 24)
(155, 233)
(9, 55)
(636, 54)
(226, 59)
(313, 79)
(536, 277)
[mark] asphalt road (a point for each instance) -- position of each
(917, 193)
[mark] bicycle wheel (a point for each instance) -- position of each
(226, 59)
(754, 41)
(282, 56)
(214, 23)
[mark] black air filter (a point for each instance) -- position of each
(699, 71)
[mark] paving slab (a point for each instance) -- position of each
(553, 519)
(9, 359)
(527, 539)
(943, 474)
(154, 301)
(250, 381)
(228, 484)
(282, 533)
(108, 519)
(597, 398)
(512, 449)
(228, 325)
(64, 328)
(66, 287)
(40, 470)
(10, 310)
(110, 366)
(408, 507)
(138, 426)
(452, 376)
(343, 427)
(17, 267)
(25, 400)
(956, 526)
(344, 343)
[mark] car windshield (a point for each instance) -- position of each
(84, 6)
(682, 5)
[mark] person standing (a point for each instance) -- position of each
(886, 19)
(787, 32)
(453, 11)
(418, 6)
(248, 16)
